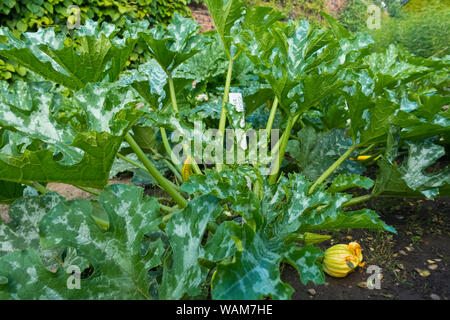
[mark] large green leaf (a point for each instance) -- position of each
(174, 44)
(360, 219)
(294, 210)
(10, 191)
(410, 177)
(226, 15)
(343, 182)
(248, 251)
(228, 184)
(387, 71)
(205, 65)
(22, 231)
(254, 272)
(120, 266)
(79, 154)
(305, 260)
(95, 56)
(151, 82)
(302, 63)
(186, 230)
(370, 117)
(302, 208)
(425, 118)
(315, 152)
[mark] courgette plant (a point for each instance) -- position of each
(225, 231)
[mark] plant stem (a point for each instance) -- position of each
(134, 163)
(140, 166)
(277, 145)
(39, 187)
(95, 193)
(357, 200)
(282, 148)
(195, 167)
(273, 111)
(166, 144)
(169, 149)
(173, 169)
(333, 167)
(367, 149)
(167, 185)
(172, 93)
(223, 114)
(173, 97)
(168, 209)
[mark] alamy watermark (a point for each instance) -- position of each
(74, 19)
(374, 280)
(374, 20)
(74, 280)
(236, 146)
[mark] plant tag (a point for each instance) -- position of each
(235, 99)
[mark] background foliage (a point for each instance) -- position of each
(417, 25)
(29, 15)
(296, 9)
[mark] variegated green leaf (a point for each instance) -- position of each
(80, 154)
(254, 272)
(186, 229)
(120, 266)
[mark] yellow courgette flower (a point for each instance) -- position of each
(186, 171)
(341, 259)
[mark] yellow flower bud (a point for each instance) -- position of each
(341, 259)
(186, 171)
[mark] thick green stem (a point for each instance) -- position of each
(169, 149)
(167, 185)
(223, 114)
(134, 163)
(333, 167)
(283, 136)
(39, 187)
(273, 111)
(172, 94)
(140, 166)
(168, 209)
(363, 152)
(95, 193)
(173, 169)
(280, 154)
(357, 200)
(173, 97)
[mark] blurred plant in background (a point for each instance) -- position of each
(418, 26)
(295, 9)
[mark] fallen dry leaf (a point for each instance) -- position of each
(423, 273)
(362, 284)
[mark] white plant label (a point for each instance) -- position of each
(235, 98)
